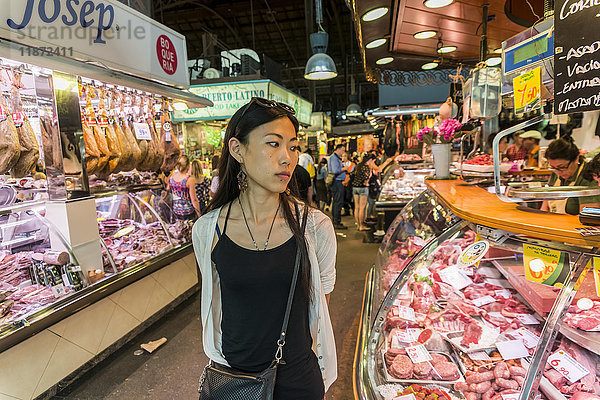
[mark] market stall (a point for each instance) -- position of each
(91, 252)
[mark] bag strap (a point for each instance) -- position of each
(286, 318)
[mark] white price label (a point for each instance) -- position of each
(482, 301)
(496, 282)
(512, 349)
(418, 353)
(527, 319)
(479, 356)
(405, 397)
(167, 128)
(142, 131)
(469, 271)
(455, 277)
(530, 339)
(503, 293)
(567, 366)
(408, 335)
(59, 290)
(407, 313)
(512, 396)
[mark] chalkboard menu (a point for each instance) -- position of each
(576, 56)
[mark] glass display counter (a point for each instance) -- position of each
(476, 310)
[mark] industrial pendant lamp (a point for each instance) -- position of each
(320, 66)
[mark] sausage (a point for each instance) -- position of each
(501, 370)
(519, 379)
(480, 387)
(489, 394)
(517, 371)
(507, 383)
(471, 396)
(479, 377)
(461, 387)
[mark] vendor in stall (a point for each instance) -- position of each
(515, 151)
(567, 170)
(531, 144)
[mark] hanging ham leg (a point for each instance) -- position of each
(29, 150)
(10, 148)
(169, 142)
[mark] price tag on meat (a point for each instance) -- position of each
(567, 366)
(530, 339)
(407, 313)
(482, 301)
(473, 253)
(455, 277)
(479, 356)
(512, 396)
(503, 293)
(418, 353)
(527, 319)
(142, 131)
(405, 397)
(408, 335)
(512, 349)
(543, 265)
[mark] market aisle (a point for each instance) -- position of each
(172, 372)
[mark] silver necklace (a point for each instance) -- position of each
(250, 232)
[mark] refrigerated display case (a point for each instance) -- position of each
(399, 185)
(468, 316)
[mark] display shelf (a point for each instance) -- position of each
(589, 340)
(125, 190)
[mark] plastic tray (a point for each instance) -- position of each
(390, 378)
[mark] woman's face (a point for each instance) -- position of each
(503, 145)
(270, 156)
(518, 140)
(564, 168)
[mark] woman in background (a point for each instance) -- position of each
(202, 186)
(321, 187)
(183, 188)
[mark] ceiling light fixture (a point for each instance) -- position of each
(384, 60)
(425, 34)
(446, 49)
(437, 3)
(429, 65)
(320, 66)
(492, 61)
(375, 13)
(376, 43)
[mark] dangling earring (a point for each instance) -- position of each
(242, 179)
(287, 191)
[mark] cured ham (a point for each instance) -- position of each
(29, 148)
(169, 143)
(10, 148)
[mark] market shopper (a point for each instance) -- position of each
(202, 185)
(349, 167)
(320, 186)
(360, 190)
(567, 166)
(336, 168)
(531, 145)
(183, 188)
(246, 249)
(302, 184)
(515, 151)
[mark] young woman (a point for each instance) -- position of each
(202, 186)
(320, 185)
(360, 190)
(246, 247)
(567, 170)
(183, 188)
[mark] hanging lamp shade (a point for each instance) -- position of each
(320, 66)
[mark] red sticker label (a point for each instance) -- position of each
(18, 119)
(167, 55)
(3, 113)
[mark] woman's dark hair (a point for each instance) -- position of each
(562, 149)
(183, 164)
(245, 120)
(322, 163)
(592, 168)
(215, 162)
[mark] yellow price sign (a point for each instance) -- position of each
(597, 274)
(527, 90)
(543, 265)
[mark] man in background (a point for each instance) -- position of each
(336, 168)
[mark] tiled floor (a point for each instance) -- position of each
(172, 371)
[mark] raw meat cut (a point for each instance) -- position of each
(587, 320)
(169, 143)
(9, 138)
(29, 149)
(472, 334)
(402, 367)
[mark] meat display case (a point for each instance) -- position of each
(456, 309)
(400, 184)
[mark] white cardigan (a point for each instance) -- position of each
(322, 248)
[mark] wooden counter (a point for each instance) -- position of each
(477, 205)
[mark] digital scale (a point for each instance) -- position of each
(532, 48)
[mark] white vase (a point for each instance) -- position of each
(441, 159)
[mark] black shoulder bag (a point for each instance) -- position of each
(219, 382)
